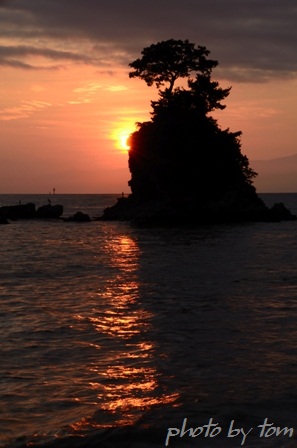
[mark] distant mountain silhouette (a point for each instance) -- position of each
(276, 175)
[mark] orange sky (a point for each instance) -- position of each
(65, 129)
(63, 117)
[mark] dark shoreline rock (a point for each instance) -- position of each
(49, 211)
(20, 211)
(28, 211)
(78, 217)
(280, 213)
(3, 220)
(186, 211)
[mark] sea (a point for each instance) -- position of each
(113, 335)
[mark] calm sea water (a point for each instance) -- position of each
(111, 334)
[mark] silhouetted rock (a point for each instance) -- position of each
(20, 211)
(78, 217)
(185, 169)
(182, 211)
(3, 220)
(124, 210)
(280, 213)
(49, 211)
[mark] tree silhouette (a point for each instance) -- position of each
(184, 168)
(169, 60)
(182, 152)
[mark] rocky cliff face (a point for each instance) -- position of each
(186, 175)
(186, 212)
(185, 169)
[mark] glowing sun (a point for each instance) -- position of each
(121, 134)
(123, 140)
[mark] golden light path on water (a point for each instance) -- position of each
(129, 382)
(108, 325)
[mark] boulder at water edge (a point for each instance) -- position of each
(49, 211)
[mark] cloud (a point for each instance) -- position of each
(254, 40)
(88, 92)
(115, 88)
(15, 56)
(26, 50)
(90, 88)
(23, 65)
(24, 110)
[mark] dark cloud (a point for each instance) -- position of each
(8, 55)
(18, 64)
(252, 39)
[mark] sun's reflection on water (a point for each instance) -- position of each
(127, 375)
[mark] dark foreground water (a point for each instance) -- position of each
(111, 334)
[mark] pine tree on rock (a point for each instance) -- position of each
(182, 151)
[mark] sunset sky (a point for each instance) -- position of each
(67, 103)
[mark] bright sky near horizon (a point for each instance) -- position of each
(67, 103)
